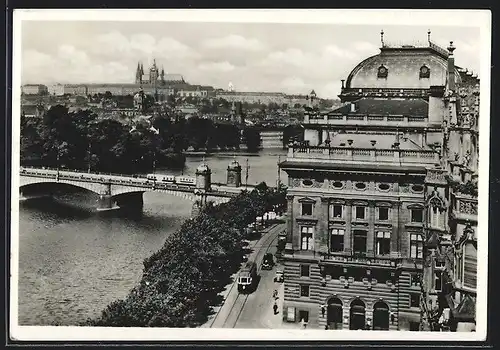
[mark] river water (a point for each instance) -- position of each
(73, 262)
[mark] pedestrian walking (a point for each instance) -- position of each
(275, 308)
(304, 323)
(275, 294)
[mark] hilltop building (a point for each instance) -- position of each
(382, 198)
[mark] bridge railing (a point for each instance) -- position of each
(79, 171)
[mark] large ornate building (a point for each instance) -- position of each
(155, 82)
(382, 199)
(156, 76)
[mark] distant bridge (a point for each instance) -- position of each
(118, 190)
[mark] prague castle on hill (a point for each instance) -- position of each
(382, 199)
(156, 82)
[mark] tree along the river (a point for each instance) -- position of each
(252, 139)
(81, 140)
(181, 281)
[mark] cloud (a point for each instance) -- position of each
(71, 65)
(217, 66)
(234, 42)
(141, 45)
(364, 46)
(337, 52)
(290, 56)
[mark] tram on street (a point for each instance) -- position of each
(247, 278)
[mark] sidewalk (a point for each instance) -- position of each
(272, 321)
(230, 293)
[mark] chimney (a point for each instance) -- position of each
(343, 81)
(451, 67)
(353, 107)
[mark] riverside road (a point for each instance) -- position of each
(252, 310)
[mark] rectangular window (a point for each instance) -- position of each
(304, 270)
(337, 240)
(307, 209)
(304, 290)
(306, 238)
(359, 239)
(290, 314)
(336, 211)
(303, 316)
(360, 212)
(383, 243)
(416, 246)
(417, 215)
(414, 280)
(383, 214)
(438, 281)
(439, 263)
(414, 300)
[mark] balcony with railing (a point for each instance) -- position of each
(372, 120)
(465, 207)
(360, 259)
(351, 154)
(375, 92)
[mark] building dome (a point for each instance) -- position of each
(234, 165)
(403, 67)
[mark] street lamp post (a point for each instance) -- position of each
(90, 157)
(57, 161)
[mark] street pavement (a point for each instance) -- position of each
(236, 307)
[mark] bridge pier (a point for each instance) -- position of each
(131, 203)
(105, 202)
(24, 196)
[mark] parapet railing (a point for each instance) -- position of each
(384, 92)
(363, 154)
(338, 119)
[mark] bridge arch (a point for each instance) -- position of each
(45, 186)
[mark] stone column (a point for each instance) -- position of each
(290, 219)
(322, 236)
(345, 316)
(395, 234)
(370, 239)
(348, 227)
(369, 317)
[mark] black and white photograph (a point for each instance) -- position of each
(250, 174)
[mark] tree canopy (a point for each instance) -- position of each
(181, 282)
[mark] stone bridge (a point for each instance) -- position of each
(125, 191)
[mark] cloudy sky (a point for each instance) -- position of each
(292, 58)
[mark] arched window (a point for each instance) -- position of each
(381, 316)
(436, 213)
(357, 315)
(334, 313)
(382, 72)
(425, 72)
